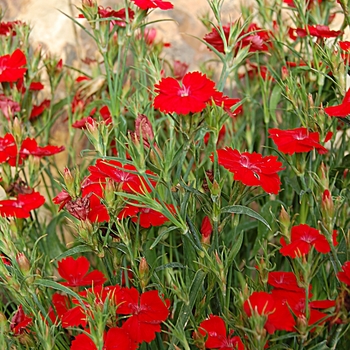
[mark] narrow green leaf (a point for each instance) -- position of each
(240, 209)
(59, 287)
(186, 308)
(75, 250)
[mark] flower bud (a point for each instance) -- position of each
(144, 273)
(17, 130)
(206, 231)
(109, 192)
(284, 220)
(327, 207)
(69, 182)
(23, 263)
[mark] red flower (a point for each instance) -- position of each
(83, 342)
(36, 86)
(303, 237)
(20, 321)
(252, 169)
(126, 175)
(108, 12)
(8, 150)
(227, 103)
(191, 96)
(256, 38)
(215, 330)
(87, 207)
(8, 107)
(341, 110)
(260, 303)
(119, 339)
(319, 31)
(60, 307)
(21, 207)
(297, 140)
(344, 275)
(10, 66)
(152, 4)
(145, 216)
(277, 314)
(8, 28)
(284, 280)
(75, 272)
(147, 312)
(214, 39)
(30, 147)
(37, 110)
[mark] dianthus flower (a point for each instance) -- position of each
(214, 329)
(21, 206)
(147, 312)
(303, 237)
(341, 110)
(319, 31)
(252, 169)
(75, 272)
(11, 66)
(153, 4)
(190, 96)
(344, 275)
(30, 147)
(297, 140)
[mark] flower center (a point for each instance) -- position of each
(184, 91)
(245, 162)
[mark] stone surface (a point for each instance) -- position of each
(58, 34)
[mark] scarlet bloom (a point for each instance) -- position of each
(341, 110)
(145, 216)
(252, 169)
(303, 237)
(277, 315)
(8, 150)
(30, 147)
(297, 140)
(284, 280)
(319, 31)
(75, 272)
(153, 4)
(215, 330)
(147, 312)
(83, 342)
(190, 96)
(119, 339)
(214, 38)
(22, 205)
(126, 175)
(120, 15)
(11, 66)
(344, 275)
(20, 321)
(256, 38)
(39, 109)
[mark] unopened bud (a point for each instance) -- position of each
(23, 263)
(284, 220)
(206, 231)
(327, 206)
(109, 192)
(69, 182)
(17, 130)
(144, 273)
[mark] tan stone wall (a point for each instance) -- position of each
(58, 35)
